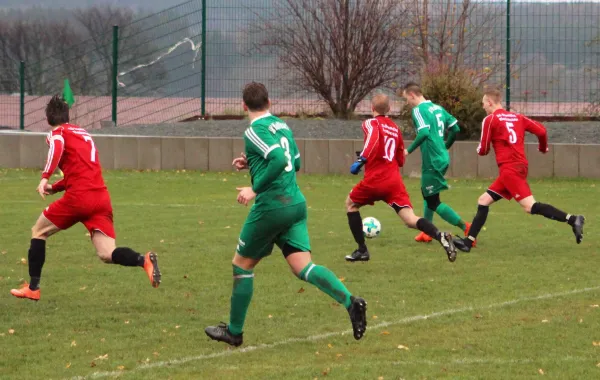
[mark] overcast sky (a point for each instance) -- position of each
(146, 4)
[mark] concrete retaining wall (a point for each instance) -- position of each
(28, 150)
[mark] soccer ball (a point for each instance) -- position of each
(371, 227)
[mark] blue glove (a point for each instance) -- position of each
(355, 168)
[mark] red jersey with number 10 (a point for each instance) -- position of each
(505, 131)
(383, 149)
(72, 150)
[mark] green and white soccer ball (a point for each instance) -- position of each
(371, 227)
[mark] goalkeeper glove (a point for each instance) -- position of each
(355, 168)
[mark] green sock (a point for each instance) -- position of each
(243, 286)
(450, 216)
(327, 282)
(427, 212)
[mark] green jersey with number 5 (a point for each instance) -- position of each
(266, 140)
(434, 117)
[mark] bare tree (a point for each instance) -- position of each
(340, 49)
(135, 44)
(458, 34)
(43, 45)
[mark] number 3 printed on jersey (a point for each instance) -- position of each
(512, 135)
(285, 144)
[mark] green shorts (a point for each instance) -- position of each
(281, 226)
(433, 181)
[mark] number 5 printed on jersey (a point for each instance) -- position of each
(512, 135)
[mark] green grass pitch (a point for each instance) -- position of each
(522, 305)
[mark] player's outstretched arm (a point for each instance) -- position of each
(55, 151)
(277, 163)
(486, 136)
(539, 130)
(422, 135)
(452, 132)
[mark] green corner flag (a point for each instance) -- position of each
(68, 94)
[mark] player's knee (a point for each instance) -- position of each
(36, 233)
(105, 256)
(527, 208)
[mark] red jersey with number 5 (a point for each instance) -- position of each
(505, 131)
(383, 149)
(72, 150)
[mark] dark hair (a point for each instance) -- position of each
(413, 88)
(256, 96)
(57, 111)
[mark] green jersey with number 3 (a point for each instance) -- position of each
(434, 117)
(267, 136)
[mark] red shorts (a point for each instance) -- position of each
(390, 190)
(93, 209)
(512, 183)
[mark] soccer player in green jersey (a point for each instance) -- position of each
(278, 216)
(432, 122)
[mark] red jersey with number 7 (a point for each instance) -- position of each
(72, 150)
(383, 149)
(505, 131)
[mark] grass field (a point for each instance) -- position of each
(522, 305)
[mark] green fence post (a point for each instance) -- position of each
(115, 73)
(203, 74)
(507, 55)
(22, 95)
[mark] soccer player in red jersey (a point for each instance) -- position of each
(86, 200)
(382, 157)
(505, 131)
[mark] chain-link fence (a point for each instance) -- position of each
(192, 60)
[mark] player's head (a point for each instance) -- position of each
(492, 100)
(57, 111)
(256, 97)
(380, 104)
(412, 93)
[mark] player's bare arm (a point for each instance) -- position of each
(245, 195)
(241, 162)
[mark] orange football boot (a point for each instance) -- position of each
(467, 233)
(151, 268)
(423, 238)
(25, 292)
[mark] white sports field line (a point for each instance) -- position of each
(416, 318)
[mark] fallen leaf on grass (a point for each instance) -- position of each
(126, 322)
(162, 240)
(92, 364)
(23, 261)
(581, 320)
(102, 340)
(374, 317)
(329, 345)
(185, 276)
(317, 353)
(227, 227)
(73, 344)
(224, 179)
(541, 371)
(342, 279)
(102, 357)
(68, 365)
(155, 353)
(402, 347)
(478, 316)
(596, 344)
(3, 252)
(2, 334)
(385, 333)
(380, 378)
(598, 365)
(544, 321)
(325, 372)
(594, 305)
(83, 288)
(301, 290)
(177, 326)
(270, 316)
(338, 355)
(121, 367)
(11, 331)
